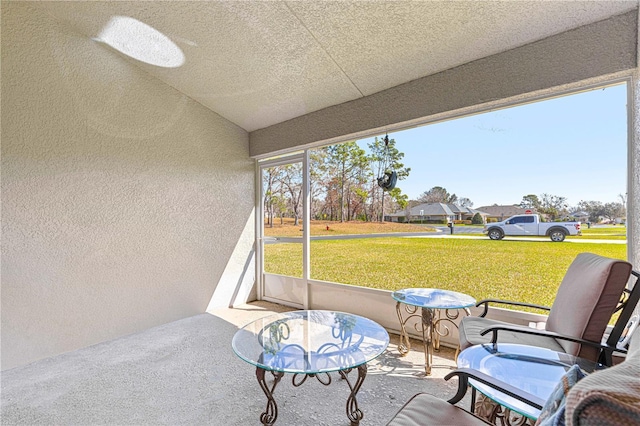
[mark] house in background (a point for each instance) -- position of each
(434, 213)
(580, 216)
(499, 213)
(466, 213)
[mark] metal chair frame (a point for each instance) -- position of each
(627, 304)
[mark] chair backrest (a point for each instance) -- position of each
(626, 307)
(587, 298)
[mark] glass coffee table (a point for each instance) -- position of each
(310, 344)
(432, 324)
(531, 369)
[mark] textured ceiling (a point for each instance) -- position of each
(262, 63)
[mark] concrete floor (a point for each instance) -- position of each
(185, 373)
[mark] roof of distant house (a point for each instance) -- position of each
(505, 210)
(435, 209)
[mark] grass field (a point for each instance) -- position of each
(319, 227)
(616, 232)
(529, 271)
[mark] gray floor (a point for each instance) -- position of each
(185, 372)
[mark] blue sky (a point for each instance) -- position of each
(573, 146)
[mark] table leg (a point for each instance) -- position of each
(489, 410)
(437, 313)
(427, 339)
(404, 346)
(353, 412)
(468, 312)
(269, 416)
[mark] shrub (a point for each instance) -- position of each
(477, 219)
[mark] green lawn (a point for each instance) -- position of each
(617, 232)
(527, 271)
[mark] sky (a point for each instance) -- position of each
(573, 146)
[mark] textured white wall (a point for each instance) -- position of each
(594, 50)
(633, 189)
(124, 203)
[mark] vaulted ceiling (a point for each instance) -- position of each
(261, 63)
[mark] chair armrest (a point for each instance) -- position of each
(464, 374)
(604, 348)
(486, 302)
(527, 330)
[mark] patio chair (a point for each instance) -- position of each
(606, 397)
(424, 409)
(592, 290)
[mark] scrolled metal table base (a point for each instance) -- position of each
(497, 414)
(270, 415)
(353, 412)
(431, 325)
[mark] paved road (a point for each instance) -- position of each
(444, 232)
(458, 230)
(275, 240)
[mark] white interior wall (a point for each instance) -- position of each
(124, 203)
(633, 185)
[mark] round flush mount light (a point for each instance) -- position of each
(141, 42)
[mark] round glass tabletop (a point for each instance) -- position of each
(310, 342)
(532, 369)
(433, 298)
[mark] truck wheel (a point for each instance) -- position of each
(557, 235)
(496, 234)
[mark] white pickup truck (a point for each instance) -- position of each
(529, 224)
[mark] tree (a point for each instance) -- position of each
(272, 199)
(317, 179)
(400, 200)
(465, 202)
(437, 194)
(530, 201)
(348, 163)
(477, 219)
(553, 205)
(291, 181)
(383, 158)
(613, 211)
(595, 210)
(623, 199)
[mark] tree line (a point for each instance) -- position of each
(596, 210)
(556, 207)
(342, 184)
(343, 187)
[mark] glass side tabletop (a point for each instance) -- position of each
(433, 298)
(532, 369)
(310, 342)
